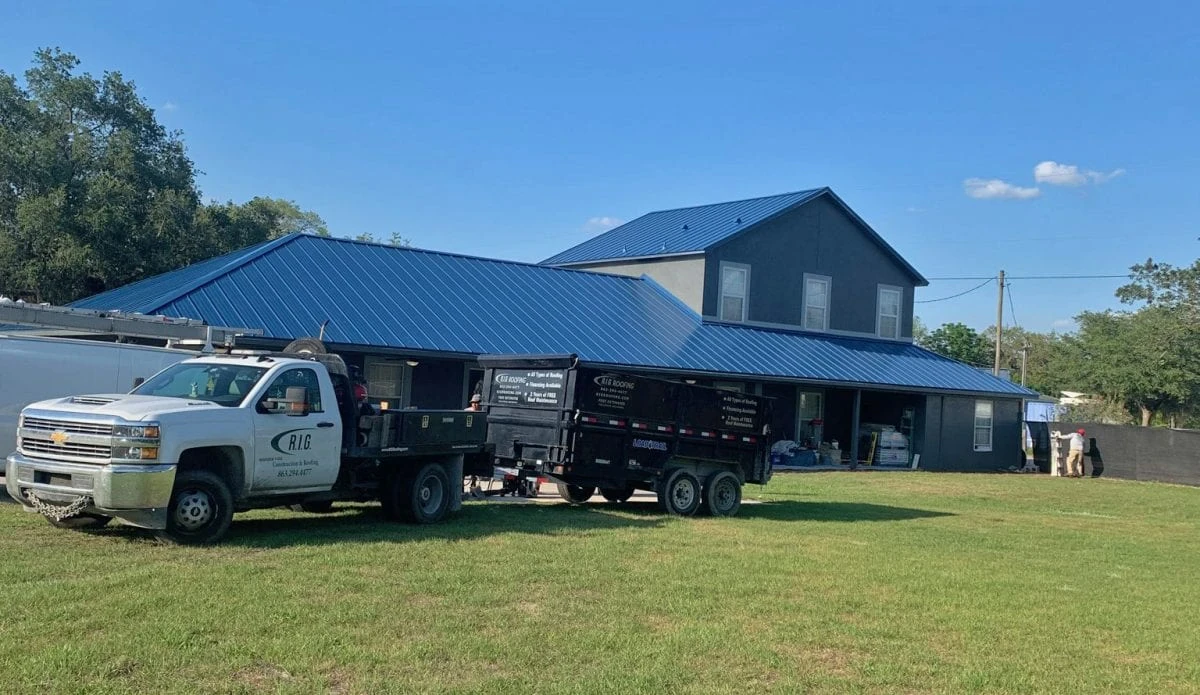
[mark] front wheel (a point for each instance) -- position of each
(680, 495)
(200, 511)
(723, 494)
(575, 494)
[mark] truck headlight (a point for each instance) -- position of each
(149, 430)
(136, 442)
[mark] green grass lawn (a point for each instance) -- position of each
(836, 582)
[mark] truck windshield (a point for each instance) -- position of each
(222, 384)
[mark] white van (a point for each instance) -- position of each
(36, 368)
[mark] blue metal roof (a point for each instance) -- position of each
(696, 229)
(686, 230)
(381, 296)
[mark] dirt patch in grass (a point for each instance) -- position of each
(833, 661)
(261, 676)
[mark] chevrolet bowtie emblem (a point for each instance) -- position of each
(59, 437)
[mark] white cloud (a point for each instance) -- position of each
(170, 106)
(1056, 174)
(995, 188)
(1063, 324)
(596, 225)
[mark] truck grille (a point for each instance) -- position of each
(45, 447)
(36, 423)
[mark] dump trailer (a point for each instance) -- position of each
(591, 428)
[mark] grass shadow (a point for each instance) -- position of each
(841, 512)
(366, 524)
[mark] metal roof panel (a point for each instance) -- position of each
(374, 295)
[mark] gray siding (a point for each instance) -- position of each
(682, 277)
(821, 239)
(956, 451)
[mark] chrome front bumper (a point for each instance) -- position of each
(137, 494)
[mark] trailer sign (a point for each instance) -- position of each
(540, 387)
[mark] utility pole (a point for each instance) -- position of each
(999, 323)
(1024, 359)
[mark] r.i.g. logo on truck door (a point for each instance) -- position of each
(293, 442)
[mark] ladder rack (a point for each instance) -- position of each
(130, 325)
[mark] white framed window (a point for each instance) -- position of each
(816, 302)
(808, 408)
(888, 302)
(983, 425)
(735, 292)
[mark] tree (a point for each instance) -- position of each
(394, 240)
(1042, 358)
(95, 193)
(1165, 286)
(1148, 360)
(960, 342)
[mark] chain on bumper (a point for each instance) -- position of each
(58, 512)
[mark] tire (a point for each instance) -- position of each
(617, 494)
(320, 507)
(425, 496)
(82, 522)
(575, 494)
(681, 494)
(200, 511)
(302, 346)
(723, 494)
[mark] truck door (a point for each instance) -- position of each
(301, 450)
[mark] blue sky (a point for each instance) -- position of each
(518, 130)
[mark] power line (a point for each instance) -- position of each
(1012, 310)
(953, 296)
(1039, 277)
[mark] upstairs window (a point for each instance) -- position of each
(735, 289)
(887, 323)
(816, 302)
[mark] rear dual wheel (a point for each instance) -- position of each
(421, 498)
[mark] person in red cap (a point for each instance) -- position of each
(1075, 455)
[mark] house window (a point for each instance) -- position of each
(735, 286)
(808, 408)
(983, 425)
(385, 380)
(887, 323)
(816, 302)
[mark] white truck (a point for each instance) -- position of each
(214, 435)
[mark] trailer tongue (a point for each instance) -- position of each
(593, 428)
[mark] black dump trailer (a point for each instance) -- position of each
(589, 428)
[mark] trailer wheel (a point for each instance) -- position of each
(575, 494)
(617, 494)
(82, 522)
(723, 494)
(426, 495)
(200, 511)
(681, 493)
(321, 507)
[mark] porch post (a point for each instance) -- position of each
(854, 420)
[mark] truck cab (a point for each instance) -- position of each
(213, 435)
